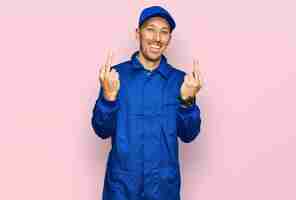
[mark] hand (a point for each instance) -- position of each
(192, 82)
(109, 80)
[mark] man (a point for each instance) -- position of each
(144, 105)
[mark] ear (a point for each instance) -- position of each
(170, 39)
(137, 34)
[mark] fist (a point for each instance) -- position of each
(192, 82)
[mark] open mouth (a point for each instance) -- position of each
(155, 48)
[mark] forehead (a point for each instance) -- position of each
(157, 21)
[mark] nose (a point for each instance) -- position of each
(157, 36)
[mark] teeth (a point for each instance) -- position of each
(156, 47)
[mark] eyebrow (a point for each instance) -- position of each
(154, 26)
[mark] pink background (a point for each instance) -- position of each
(49, 51)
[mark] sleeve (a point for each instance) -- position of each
(188, 122)
(104, 116)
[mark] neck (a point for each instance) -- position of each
(148, 64)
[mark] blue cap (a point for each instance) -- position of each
(154, 11)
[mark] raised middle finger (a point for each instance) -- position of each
(109, 61)
(196, 71)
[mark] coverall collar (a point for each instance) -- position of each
(163, 67)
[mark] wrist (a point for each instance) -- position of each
(186, 101)
(110, 97)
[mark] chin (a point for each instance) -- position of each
(154, 57)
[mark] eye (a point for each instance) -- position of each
(149, 29)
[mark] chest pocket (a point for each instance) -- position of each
(144, 94)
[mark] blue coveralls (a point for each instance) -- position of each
(144, 124)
